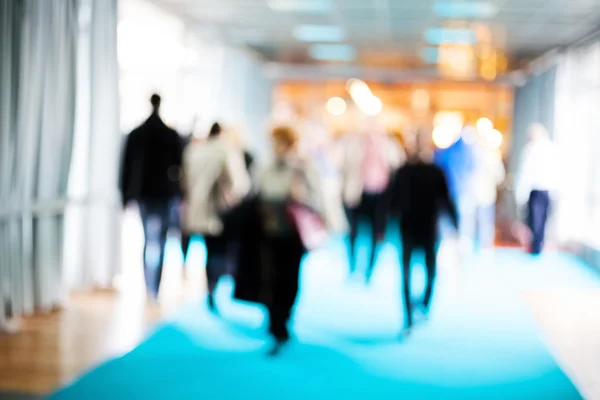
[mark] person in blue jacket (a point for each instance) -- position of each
(458, 163)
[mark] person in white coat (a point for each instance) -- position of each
(489, 175)
(215, 181)
(536, 182)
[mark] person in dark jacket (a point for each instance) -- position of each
(420, 195)
(150, 176)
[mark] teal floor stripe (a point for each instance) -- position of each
(481, 341)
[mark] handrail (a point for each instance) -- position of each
(49, 208)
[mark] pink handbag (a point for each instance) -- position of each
(310, 226)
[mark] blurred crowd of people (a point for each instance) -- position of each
(259, 217)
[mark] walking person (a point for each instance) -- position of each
(185, 239)
(284, 182)
(420, 195)
(489, 175)
(215, 182)
(370, 161)
(459, 166)
(150, 176)
(535, 183)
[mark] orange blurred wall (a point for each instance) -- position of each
(473, 99)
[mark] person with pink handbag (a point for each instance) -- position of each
(290, 204)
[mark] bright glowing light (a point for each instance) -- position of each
(447, 128)
(495, 138)
(451, 120)
(484, 125)
(372, 106)
(363, 97)
(336, 106)
(358, 89)
(444, 136)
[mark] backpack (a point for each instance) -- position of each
(375, 167)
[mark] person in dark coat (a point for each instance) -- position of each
(419, 196)
(150, 176)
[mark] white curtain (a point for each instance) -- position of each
(245, 97)
(92, 235)
(576, 133)
(38, 49)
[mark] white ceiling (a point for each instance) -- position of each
(388, 29)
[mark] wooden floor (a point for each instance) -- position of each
(50, 350)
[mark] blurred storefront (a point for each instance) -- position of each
(404, 106)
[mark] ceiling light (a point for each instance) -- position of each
(308, 6)
(319, 33)
(333, 52)
(439, 36)
(336, 106)
(469, 10)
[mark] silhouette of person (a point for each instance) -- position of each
(370, 161)
(420, 194)
(150, 176)
(535, 183)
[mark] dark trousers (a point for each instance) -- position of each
(284, 264)
(186, 239)
(155, 219)
(222, 250)
(175, 222)
(372, 208)
(538, 207)
(217, 258)
(410, 243)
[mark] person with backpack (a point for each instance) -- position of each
(283, 185)
(215, 182)
(370, 162)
